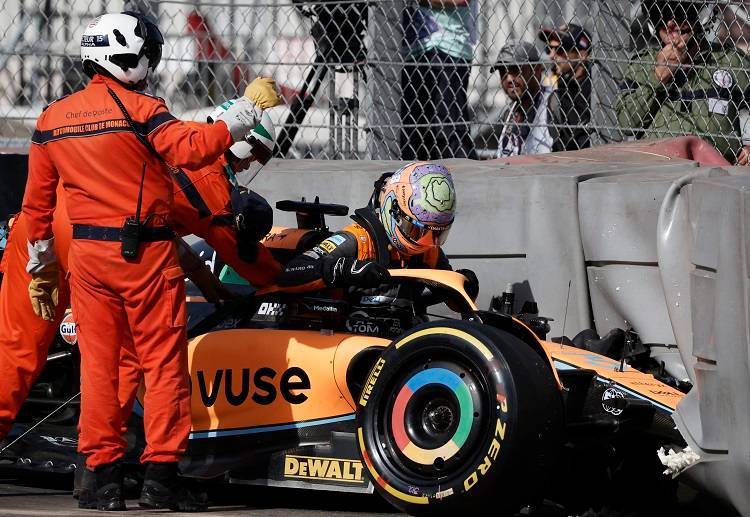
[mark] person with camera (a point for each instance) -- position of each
(685, 85)
(112, 146)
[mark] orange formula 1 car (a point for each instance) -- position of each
(456, 414)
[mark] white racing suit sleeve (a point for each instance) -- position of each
(41, 254)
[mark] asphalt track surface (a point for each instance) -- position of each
(37, 497)
(52, 496)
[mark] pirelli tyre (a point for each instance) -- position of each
(458, 417)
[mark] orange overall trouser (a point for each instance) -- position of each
(144, 302)
(24, 336)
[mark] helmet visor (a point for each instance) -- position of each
(152, 36)
(152, 51)
(262, 153)
(419, 233)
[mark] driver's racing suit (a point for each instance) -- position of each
(362, 244)
(364, 240)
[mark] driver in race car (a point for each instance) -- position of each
(207, 203)
(403, 226)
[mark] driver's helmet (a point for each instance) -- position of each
(417, 205)
(126, 45)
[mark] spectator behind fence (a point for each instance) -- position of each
(525, 129)
(440, 37)
(685, 86)
(569, 48)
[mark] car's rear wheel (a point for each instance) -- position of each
(459, 417)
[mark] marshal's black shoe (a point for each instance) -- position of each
(108, 494)
(162, 488)
(85, 488)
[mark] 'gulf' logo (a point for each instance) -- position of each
(68, 329)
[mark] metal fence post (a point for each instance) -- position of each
(611, 40)
(382, 102)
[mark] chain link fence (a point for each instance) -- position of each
(418, 79)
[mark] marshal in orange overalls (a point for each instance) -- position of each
(85, 140)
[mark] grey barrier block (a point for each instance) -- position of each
(618, 215)
(713, 417)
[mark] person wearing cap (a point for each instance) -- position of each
(686, 86)
(569, 49)
(440, 36)
(525, 129)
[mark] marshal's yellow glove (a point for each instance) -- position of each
(262, 91)
(43, 292)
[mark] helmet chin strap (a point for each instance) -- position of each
(229, 171)
(143, 83)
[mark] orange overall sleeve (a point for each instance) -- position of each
(190, 145)
(40, 197)
(261, 273)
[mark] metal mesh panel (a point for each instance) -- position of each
(417, 79)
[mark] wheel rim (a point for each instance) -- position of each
(435, 417)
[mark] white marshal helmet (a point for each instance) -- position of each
(259, 143)
(127, 45)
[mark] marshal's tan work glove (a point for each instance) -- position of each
(262, 91)
(43, 291)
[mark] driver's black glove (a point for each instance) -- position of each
(344, 272)
(471, 285)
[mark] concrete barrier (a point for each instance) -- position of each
(713, 417)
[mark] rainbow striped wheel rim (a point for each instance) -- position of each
(454, 383)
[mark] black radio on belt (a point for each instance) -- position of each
(130, 234)
(130, 237)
